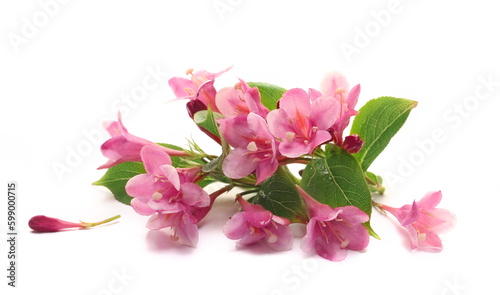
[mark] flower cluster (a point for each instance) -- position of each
(261, 128)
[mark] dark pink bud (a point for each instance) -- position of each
(352, 143)
(194, 106)
(42, 223)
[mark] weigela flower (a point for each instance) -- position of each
(199, 87)
(335, 85)
(125, 147)
(240, 100)
(255, 148)
(168, 192)
(302, 121)
(333, 231)
(424, 221)
(256, 224)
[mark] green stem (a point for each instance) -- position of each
(92, 224)
(375, 187)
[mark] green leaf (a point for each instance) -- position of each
(377, 122)
(337, 180)
(117, 176)
(269, 94)
(206, 119)
(279, 195)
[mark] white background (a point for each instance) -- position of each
(65, 68)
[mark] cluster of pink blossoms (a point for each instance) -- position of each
(260, 140)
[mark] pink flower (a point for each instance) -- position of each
(125, 147)
(199, 87)
(168, 192)
(331, 232)
(240, 100)
(256, 224)
(254, 147)
(424, 221)
(42, 223)
(335, 85)
(302, 121)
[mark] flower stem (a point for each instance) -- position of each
(221, 191)
(92, 224)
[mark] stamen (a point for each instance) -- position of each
(290, 136)
(421, 237)
(157, 196)
(344, 243)
(252, 146)
(272, 238)
(339, 90)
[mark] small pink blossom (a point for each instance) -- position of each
(331, 232)
(199, 87)
(125, 147)
(240, 100)
(255, 148)
(424, 221)
(256, 224)
(42, 223)
(335, 85)
(302, 121)
(168, 192)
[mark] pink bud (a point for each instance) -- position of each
(194, 106)
(42, 223)
(352, 143)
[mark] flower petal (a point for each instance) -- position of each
(194, 196)
(330, 250)
(324, 112)
(333, 81)
(187, 231)
(239, 163)
(236, 227)
(141, 206)
(430, 200)
(153, 158)
(172, 176)
(296, 103)
(142, 186)
(281, 239)
(182, 87)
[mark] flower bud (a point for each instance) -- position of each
(352, 143)
(42, 223)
